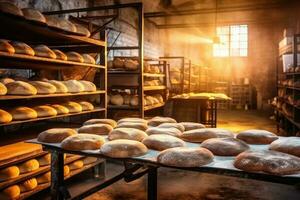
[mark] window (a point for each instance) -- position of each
(233, 41)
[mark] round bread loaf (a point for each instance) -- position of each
(23, 113)
(61, 110)
(88, 86)
(161, 142)
(82, 30)
(6, 80)
(172, 125)
(43, 87)
(28, 185)
(225, 146)
(45, 111)
(10, 8)
(199, 135)
(60, 55)
(86, 105)
(89, 160)
(116, 100)
(289, 145)
(73, 107)
(134, 100)
(20, 88)
(44, 51)
(29, 166)
(33, 14)
(110, 122)
(44, 178)
(271, 162)
(133, 120)
(123, 148)
(3, 89)
(22, 48)
(44, 160)
(11, 192)
(118, 63)
(55, 135)
(191, 125)
(98, 129)
(155, 121)
(9, 173)
(5, 117)
(167, 131)
(74, 56)
(78, 164)
(74, 86)
(60, 87)
(6, 47)
(66, 170)
(135, 125)
(185, 157)
(83, 142)
(127, 133)
(130, 64)
(88, 59)
(257, 136)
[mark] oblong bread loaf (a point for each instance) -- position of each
(78, 164)
(6, 47)
(28, 185)
(9, 173)
(256, 136)
(86, 105)
(11, 192)
(82, 30)
(44, 160)
(168, 131)
(28, 166)
(3, 89)
(172, 125)
(123, 148)
(5, 117)
(155, 121)
(74, 56)
(161, 142)
(44, 178)
(83, 142)
(74, 86)
(20, 88)
(132, 119)
(45, 111)
(43, 87)
(33, 14)
(10, 8)
(127, 133)
(60, 109)
(60, 55)
(191, 125)
(110, 122)
(6, 80)
(23, 113)
(44, 51)
(289, 145)
(199, 135)
(88, 86)
(98, 129)
(66, 170)
(131, 64)
(88, 59)
(73, 107)
(55, 135)
(22, 48)
(60, 86)
(135, 125)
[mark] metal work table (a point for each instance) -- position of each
(139, 166)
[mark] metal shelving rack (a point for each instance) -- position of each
(289, 123)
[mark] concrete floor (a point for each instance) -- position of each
(184, 185)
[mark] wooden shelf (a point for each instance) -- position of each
(123, 107)
(123, 72)
(123, 87)
(97, 109)
(150, 88)
(159, 105)
(154, 75)
(25, 61)
(288, 118)
(15, 97)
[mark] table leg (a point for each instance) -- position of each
(57, 175)
(152, 184)
(100, 170)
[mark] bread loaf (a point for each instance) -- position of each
(34, 15)
(159, 97)
(9, 173)
(135, 125)
(55, 135)
(44, 160)
(45, 111)
(155, 121)
(88, 59)
(52, 21)
(89, 160)
(74, 86)
(191, 125)
(5, 117)
(118, 63)
(60, 55)
(130, 64)
(110, 122)
(86, 105)
(185, 157)
(61, 110)
(3, 89)
(28, 185)
(289, 145)
(59, 85)
(127, 133)
(83, 142)
(168, 131)
(66, 170)
(78, 164)
(23, 113)
(116, 100)
(20, 88)
(6, 80)
(11, 192)
(123, 148)
(22, 48)
(28, 166)
(199, 135)
(88, 86)
(179, 126)
(132, 119)
(98, 129)
(161, 142)
(43, 87)
(257, 136)
(6, 47)
(134, 100)
(82, 30)
(7, 7)
(74, 56)
(73, 107)
(66, 25)
(44, 51)
(44, 178)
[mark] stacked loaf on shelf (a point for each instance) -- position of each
(126, 64)
(133, 100)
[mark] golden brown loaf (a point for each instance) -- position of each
(73, 107)
(191, 125)
(131, 64)
(257, 136)
(45, 111)
(55, 135)
(44, 178)
(168, 131)
(98, 129)
(20, 88)
(43, 87)
(44, 160)
(28, 166)
(28, 185)
(6, 80)
(66, 170)
(76, 165)
(86, 105)
(155, 121)
(74, 56)
(5, 117)
(10, 8)
(52, 21)
(44, 51)
(172, 125)
(22, 48)
(33, 14)
(161, 142)
(61, 110)
(127, 133)
(88, 86)
(74, 86)
(88, 59)
(199, 135)
(116, 100)
(60, 55)
(132, 119)
(60, 86)
(118, 63)
(135, 125)
(82, 30)
(66, 25)
(83, 142)
(110, 122)
(3, 89)
(123, 148)
(9, 173)
(23, 113)
(6, 47)
(11, 192)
